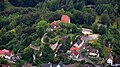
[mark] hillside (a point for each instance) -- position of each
(25, 29)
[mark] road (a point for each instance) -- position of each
(85, 58)
(42, 39)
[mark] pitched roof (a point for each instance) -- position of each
(5, 50)
(111, 57)
(61, 64)
(9, 53)
(87, 65)
(45, 65)
(65, 18)
(93, 50)
(70, 65)
(2, 52)
(72, 48)
(92, 37)
(76, 53)
(3, 65)
(86, 31)
(54, 23)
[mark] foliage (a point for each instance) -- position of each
(23, 22)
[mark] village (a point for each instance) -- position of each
(80, 50)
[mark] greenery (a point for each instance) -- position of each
(24, 22)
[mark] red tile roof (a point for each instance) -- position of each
(72, 48)
(65, 18)
(2, 52)
(75, 53)
(77, 49)
(8, 53)
(3, 65)
(5, 50)
(54, 23)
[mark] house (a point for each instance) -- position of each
(60, 64)
(92, 37)
(87, 65)
(86, 31)
(74, 52)
(79, 44)
(16, 57)
(110, 60)
(45, 65)
(2, 53)
(70, 65)
(65, 19)
(5, 50)
(53, 24)
(3, 65)
(92, 52)
(6, 54)
(9, 55)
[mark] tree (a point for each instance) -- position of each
(102, 7)
(41, 27)
(25, 3)
(2, 6)
(105, 19)
(28, 54)
(79, 4)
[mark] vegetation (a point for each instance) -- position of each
(23, 22)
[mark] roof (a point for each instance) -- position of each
(111, 57)
(2, 52)
(56, 65)
(87, 65)
(70, 65)
(3, 65)
(61, 64)
(65, 18)
(72, 48)
(92, 37)
(78, 41)
(93, 50)
(5, 50)
(76, 53)
(45, 65)
(86, 31)
(54, 23)
(9, 53)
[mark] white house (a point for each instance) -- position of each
(110, 60)
(92, 51)
(9, 55)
